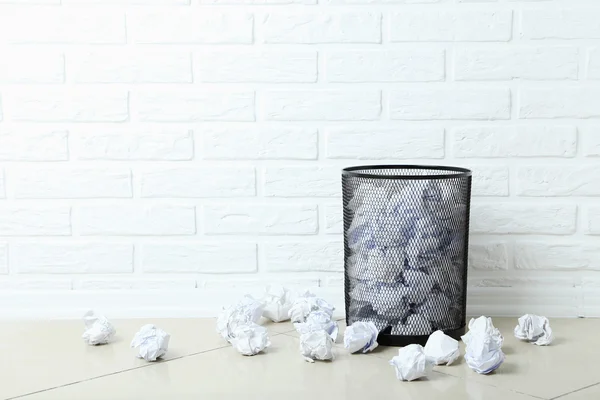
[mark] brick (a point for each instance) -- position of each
(523, 218)
(23, 2)
(250, 284)
(136, 220)
(176, 105)
(134, 284)
(515, 141)
(593, 66)
(490, 256)
(201, 26)
(322, 27)
(322, 105)
(62, 26)
(385, 66)
(560, 23)
(256, 66)
(451, 25)
(334, 219)
(127, 66)
(450, 104)
(26, 66)
(3, 258)
(16, 283)
(591, 141)
(252, 143)
(490, 181)
(71, 258)
(35, 221)
(556, 256)
(199, 257)
(129, 2)
(256, 2)
(558, 181)
(70, 183)
(333, 281)
(564, 102)
(132, 144)
(18, 143)
(303, 182)
(304, 257)
(534, 63)
(272, 219)
(391, 2)
(385, 143)
(60, 105)
(593, 221)
(199, 182)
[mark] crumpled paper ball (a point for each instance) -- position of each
(151, 342)
(419, 286)
(361, 336)
(483, 326)
(535, 329)
(390, 300)
(416, 324)
(250, 339)
(244, 312)
(484, 346)
(411, 363)
(98, 330)
(483, 355)
(277, 303)
(441, 348)
(317, 321)
(307, 303)
(317, 345)
(363, 192)
(438, 309)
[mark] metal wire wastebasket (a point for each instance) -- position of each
(406, 236)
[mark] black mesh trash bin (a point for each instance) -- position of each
(406, 234)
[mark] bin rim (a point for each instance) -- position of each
(459, 172)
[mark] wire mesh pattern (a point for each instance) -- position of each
(405, 249)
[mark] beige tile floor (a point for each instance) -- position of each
(48, 360)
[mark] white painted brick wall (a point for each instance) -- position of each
(195, 145)
(70, 183)
(81, 258)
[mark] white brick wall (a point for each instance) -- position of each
(195, 145)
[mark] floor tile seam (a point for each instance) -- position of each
(576, 390)
(150, 364)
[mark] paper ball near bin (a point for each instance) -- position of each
(406, 238)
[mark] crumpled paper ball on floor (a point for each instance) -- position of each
(316, 345)
(305, 304)
(483, 342)
(277, 303)
(98, 330)
(534, 329)
(316, 321)
(361, 336)
(250, 339)
(441, 348)
(411, 363)
(248, 310)
(151, 342)
(483, 354)
(483, 326)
